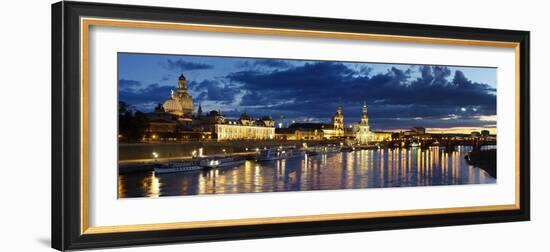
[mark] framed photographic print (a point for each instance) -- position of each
(180, 125)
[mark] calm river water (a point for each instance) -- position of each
(347, 170)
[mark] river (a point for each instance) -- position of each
(331, 171)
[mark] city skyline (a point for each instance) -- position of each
(446, 99)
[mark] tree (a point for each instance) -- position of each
(131, 122)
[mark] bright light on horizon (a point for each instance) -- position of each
(460, 130)
(451, 130)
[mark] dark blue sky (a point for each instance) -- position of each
(400, 96)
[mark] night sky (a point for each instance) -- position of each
(399, 96)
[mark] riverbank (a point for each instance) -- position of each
(484, 159)
(133, 168)
(149, 164)
(133, 152)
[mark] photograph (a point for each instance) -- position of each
(224, 123)
(203, 125)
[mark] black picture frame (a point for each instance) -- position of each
(66, 156)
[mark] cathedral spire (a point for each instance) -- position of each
(363, 134)
(182, 84)
(364, 116)
(199, 111)
(338, 118)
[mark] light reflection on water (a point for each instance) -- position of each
(358, 169)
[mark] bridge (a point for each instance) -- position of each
(449, 144)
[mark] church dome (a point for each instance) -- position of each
(172, 106)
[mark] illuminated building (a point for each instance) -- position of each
(308, 131)
(380, 136)
(245, 128)
(415, 133)
(314, 131)
(180, 102)
(363, 134)
(240, 132)
(338, 125)
(335, 130)
(160, 126)
(286, 134)
(174, 120)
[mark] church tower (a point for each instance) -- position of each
(361, 130)
(364, 116)
(182, 85)
(180, 103)
(199, 112)
(338, 119)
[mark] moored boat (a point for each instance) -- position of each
(221, 162)
(276, 154)
(414, 145)
(366, 147)
(178, 167)
(347, 149)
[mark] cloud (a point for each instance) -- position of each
(182, 65)
(318, 88)
(166, 77)
(213, 90)
(125, 84)
(269, 63)
(400, 97)
(306, 82)
(146, 98)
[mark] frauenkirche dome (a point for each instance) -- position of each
(180, 102)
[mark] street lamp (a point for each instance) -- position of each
(156, 156)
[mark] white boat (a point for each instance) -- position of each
(275, 154)
(221, 162)
(332, 149)
(178, 167)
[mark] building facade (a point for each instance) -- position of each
(240, 132)
(316, 131)
(245, 128)
(381, 136)
(337, 130)
(360, 133)
(180, 102)
(361, 130)
(310, 131)
(174, 120)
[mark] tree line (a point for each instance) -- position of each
(131, 123)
